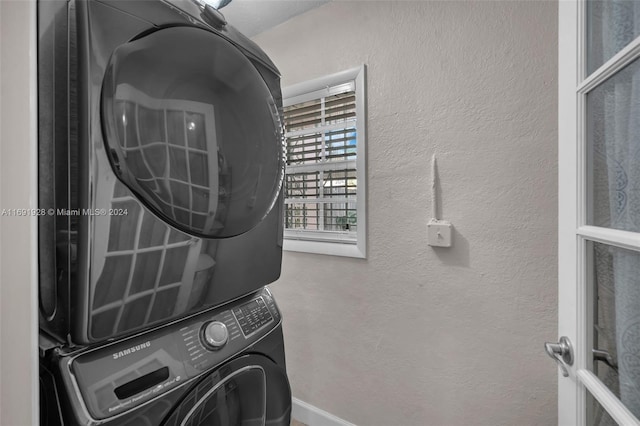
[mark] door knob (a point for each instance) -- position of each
(562, 352)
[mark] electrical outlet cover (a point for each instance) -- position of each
(439, 233)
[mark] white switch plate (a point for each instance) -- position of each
(439, 233)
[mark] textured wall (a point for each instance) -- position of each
(415, 335)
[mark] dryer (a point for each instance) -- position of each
(161, 162)
(224, 366)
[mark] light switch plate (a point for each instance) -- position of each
(439, 233)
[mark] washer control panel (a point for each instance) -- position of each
(252, 316)
(117, 377)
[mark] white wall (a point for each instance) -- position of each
(415, 335)
(18, 294)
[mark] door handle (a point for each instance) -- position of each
(562, 352)
(604, 356)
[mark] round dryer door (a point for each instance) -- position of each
(192, 129)
(250, 390)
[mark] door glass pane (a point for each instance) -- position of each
(616, 328)
(201, 143)
(613, 131)
(238, 400)
(611, 26)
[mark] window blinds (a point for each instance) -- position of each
(321, 183)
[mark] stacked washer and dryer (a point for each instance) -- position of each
(161, 165)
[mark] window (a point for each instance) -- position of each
(325, 190)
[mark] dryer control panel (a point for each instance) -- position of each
(118, 377)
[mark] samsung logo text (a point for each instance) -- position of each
(131, 350)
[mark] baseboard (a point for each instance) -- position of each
(313, 416)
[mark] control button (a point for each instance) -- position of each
(215, 335)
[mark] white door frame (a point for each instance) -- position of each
(19, 387)
(568, 393)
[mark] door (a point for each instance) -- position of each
(248, 391)
(199, 144)
(599, 213)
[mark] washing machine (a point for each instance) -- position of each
(224, 366)
(161, 164)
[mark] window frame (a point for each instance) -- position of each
(316, 242)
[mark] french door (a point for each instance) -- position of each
(599, 213)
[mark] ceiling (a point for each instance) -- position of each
(252, 17)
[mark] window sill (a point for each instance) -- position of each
(322, 247)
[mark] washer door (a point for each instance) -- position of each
(250, 391)
(192, 129)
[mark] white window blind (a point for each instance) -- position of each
(325, 180)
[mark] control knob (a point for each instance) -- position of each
(215, 335)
